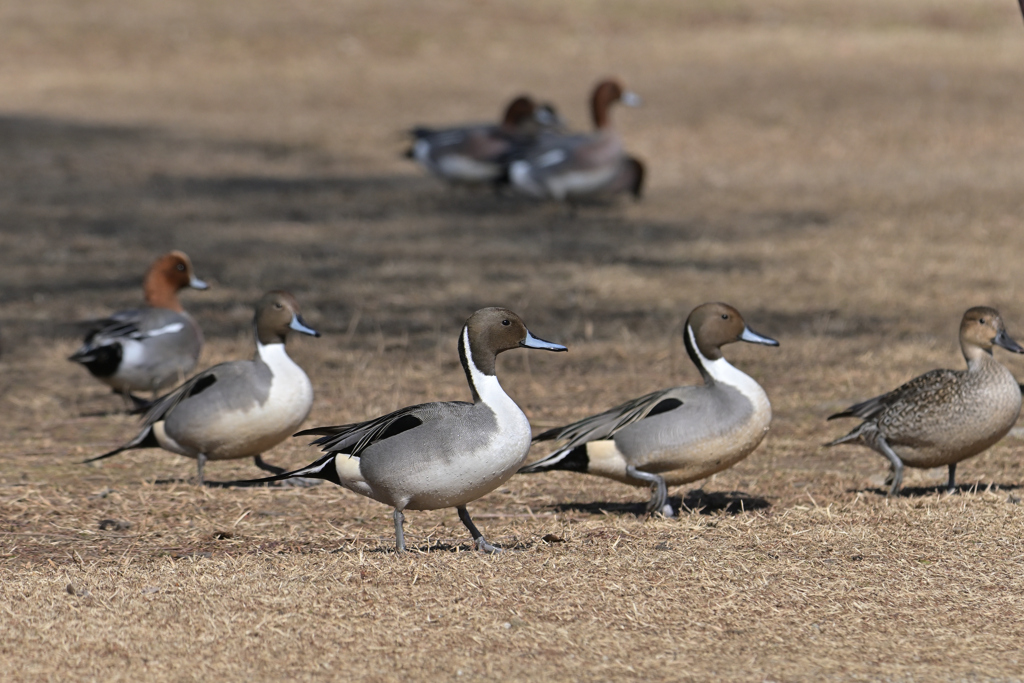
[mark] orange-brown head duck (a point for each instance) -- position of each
(152, 347)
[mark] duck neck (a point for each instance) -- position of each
(600, 109)
(159, 293)
(482, 382)
(274, 356)
(978, 358)
(719, 370)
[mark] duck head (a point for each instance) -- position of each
(491, 331)
(982, 328)
(169, 274)
(607, 93)
(277, 313)
(711, 326)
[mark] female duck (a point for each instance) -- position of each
(944, 416)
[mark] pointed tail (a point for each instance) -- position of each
(849, 438)
(145, 439)
(321, 469)
(568, 459)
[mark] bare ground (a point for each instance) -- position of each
(848, 175)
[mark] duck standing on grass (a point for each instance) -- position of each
(238, 409)
(148, 348)
(676, 435)
(437, 455)
(944, 416)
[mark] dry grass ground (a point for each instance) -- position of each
(848, 175)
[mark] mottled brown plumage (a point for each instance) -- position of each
(944, 416)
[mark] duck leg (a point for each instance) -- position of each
(951, 484)
(478, 538)
(399, 531)
(659, 491)
(266, 466)
(200, 464)
(896, 476)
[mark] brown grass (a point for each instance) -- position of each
(847, 174)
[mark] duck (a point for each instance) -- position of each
(566, 167)
(149, 348)
(240, 408)
(943, 416)
(478, 153)
(437, 455)
(677, 435)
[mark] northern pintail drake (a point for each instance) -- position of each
(148, 348)
(944, 416)
(479, 153)
(676, 435)
(438, 455)
(237, 409)
(565, 167)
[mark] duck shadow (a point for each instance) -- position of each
(922, 491)
(698, 500)
(438, 547)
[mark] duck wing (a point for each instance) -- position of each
(606, 424)
(933, 383)
(353, 439)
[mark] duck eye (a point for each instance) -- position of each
(181, 267)
(725, 316)
(981, 320)
(505, 322)
(278, 306)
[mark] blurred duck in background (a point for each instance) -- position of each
(148, 348)
(566, 167)
(479, 153)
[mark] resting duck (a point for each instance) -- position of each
(148, 348)
(566, 167)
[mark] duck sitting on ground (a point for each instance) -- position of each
(148, 348)
(676, 435)
(944, 416)
(237, 409)
(437, 455)
(568, 167)
(479, 153)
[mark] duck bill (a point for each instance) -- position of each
(1004, 340)
(532, 342)
(299, 325)
(631, 99)
(196, 283)
(754, 338)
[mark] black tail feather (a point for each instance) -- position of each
(574, 460)
(145, 439)
(321, 469)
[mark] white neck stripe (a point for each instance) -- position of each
(487, 386)
(723, 371)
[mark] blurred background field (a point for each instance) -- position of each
(848, 175)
